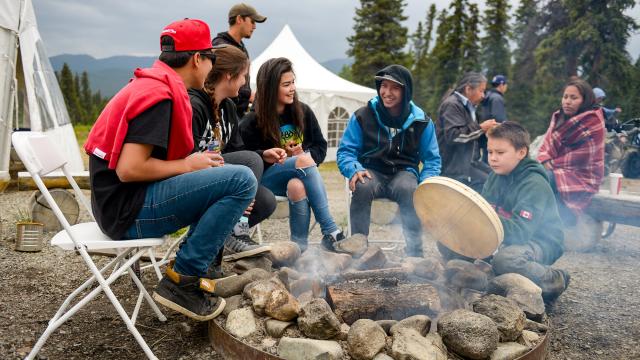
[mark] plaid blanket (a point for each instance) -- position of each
(576, 151)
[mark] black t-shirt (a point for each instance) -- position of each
(116, 204)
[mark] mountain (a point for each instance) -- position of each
(107, 75)
(335, 65)
(110, 74)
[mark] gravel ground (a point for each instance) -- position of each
(597, 317)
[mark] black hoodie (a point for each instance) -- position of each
(401, 75)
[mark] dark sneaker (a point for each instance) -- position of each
(185, 295)
(329, 243)
(241, 246)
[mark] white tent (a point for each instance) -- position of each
(332, 98)
(29, 93)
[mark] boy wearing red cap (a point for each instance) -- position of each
(146, 183)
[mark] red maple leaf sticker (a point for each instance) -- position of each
(525, 214)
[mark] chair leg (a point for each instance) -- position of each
(156, 265)
(143, 292)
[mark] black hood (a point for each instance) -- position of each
(401, 75)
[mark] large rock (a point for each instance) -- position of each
(234, 285)
(281, 305)
(469, 334)
(259, 262)
(302, 285)
(382, 356)
(318, 263)
(260, 291)
(463, 274)
(241, 323)
(365, 339)
(355, 245)
(309, 349)
(528, 338)
(284, 253)
(505, 313)
(509, 351)
(386, 325)
(234, 302)
(276, 328)
(408, 344)
(429, 267)
(317, 320)
(419, 323)
(373, 258)
(520, 289)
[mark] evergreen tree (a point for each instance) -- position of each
(422, 80)
(418, 44)
(81, 106)
(70, 93)
(470, 45)
(526, 33)
(85, 91)
(496, 56)
(379, 38)
(431, 15)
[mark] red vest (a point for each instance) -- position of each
(147, 88)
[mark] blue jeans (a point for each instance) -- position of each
(276, 178)
(210, 201)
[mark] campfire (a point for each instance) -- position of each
(368, 304)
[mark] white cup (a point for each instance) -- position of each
(614, 183)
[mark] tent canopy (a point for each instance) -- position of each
(332, 98)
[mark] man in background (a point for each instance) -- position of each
(242, 23)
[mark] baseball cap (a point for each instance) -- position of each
(243, 9)
(599, 93)
(390, 78)
(187, 35)
(498, 80)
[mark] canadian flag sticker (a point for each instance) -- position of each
(525, 214)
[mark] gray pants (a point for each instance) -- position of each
(398, 188)
(530, 260)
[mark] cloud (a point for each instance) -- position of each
(123, 27)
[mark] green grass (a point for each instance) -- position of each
(82, 131)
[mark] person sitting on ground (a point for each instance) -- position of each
(573, 150)
(518, 189)
(215, 128)
(374, 168)
(458, 132)
(610, 121)
(281, 120)
(145, 180)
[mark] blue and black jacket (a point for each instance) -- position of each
(374, 140)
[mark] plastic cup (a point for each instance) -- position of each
(615, 183)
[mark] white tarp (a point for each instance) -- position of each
(20, 42)
(318, 87)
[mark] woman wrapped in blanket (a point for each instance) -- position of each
(281, 120)
(573, 150)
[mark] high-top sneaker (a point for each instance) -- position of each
(329, 242)
(186, 295)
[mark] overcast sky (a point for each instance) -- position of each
(131, 27)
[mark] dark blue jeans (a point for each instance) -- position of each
(210, 201)
(398, 188)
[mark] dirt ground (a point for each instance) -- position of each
(596, 318)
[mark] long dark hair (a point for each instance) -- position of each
(588, 99)
(472, 79)
(266, 102)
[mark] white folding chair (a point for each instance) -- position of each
(41, 157)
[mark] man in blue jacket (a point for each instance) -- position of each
(381, 150)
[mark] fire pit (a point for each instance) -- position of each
(373, 286)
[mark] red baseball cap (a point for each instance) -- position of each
(187, 35)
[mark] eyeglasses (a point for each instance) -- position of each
(209, 55)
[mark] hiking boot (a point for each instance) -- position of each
(185, 295)
(557, 286)
(329, 243)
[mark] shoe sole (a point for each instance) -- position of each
(248, 253)
(173, 306)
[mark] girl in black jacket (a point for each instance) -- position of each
(215, 128)
(280, 120)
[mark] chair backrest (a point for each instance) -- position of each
(41, 157)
